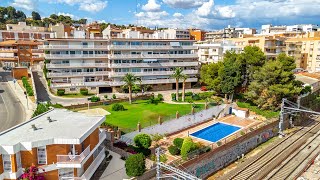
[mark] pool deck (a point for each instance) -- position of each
(243, 123)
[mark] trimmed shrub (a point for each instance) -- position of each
(178, 142)
(187, 146)
(95, 99)
(160, 97)
(173, 97)
(105, 96)
(219, 143)
(84, 91)
(117, 107)
(196, 97)
(142, 141)
(114, 96)
(242, 133)
(163, 158)
(188, 94)
(135, 165)
(174, 150)
(60, 92)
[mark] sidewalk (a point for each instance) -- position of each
(116, 169)
(30, 107)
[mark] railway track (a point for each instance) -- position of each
(287, 169)
(274, 155)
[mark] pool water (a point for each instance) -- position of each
(215, 132)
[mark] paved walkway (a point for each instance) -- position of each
(116, 169)
(28, 105)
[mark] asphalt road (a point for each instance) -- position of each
(11, 110)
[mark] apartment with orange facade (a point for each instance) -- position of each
(67, 145)
(17, 53)
(197, 34)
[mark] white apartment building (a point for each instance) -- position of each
(213, 52)
(177, 33)
(298, 28)
(100, 64)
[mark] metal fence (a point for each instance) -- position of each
(175, 125)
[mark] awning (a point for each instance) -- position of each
(175, 44)
(150, 60)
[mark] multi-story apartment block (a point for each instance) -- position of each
(211, 36)
(229, 32)
(67, 145)
(197, 34)
(100, 64)
(20, 53)
(177, 34)
(296, 30)
(214, 52)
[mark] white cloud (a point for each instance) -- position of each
(93, 6)
(152, 6)
(177, 15)
(205, 9)
(25, 4)
(184, 4)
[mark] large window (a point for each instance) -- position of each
(66, 172)
(42, 155)
(7, 166)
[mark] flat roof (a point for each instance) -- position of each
(306, 79)
(66, 125)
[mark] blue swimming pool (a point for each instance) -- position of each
(215, 132)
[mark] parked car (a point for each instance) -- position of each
(6, 68)
(203, 88)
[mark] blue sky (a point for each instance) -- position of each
(205, 14)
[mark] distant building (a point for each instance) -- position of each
(66, 144)
(20, 53)
(229, 32)
(22, 26)
(197, 34)
(299, 29)
(309, 79)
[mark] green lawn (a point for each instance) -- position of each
(146, 114)
(266, 113)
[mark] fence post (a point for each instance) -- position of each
(177, 115)
(192, 110)
(159, 120)
(206, 106)
(139, 127)
(119, 133)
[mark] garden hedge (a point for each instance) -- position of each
(135, 165)
(142, 141)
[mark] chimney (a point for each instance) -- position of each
(49, 119)
(34, 127)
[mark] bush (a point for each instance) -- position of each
(156, 137)
(135, 165)
(60, 92)
(163, 158)
(41, 108)
(160, 97)
(173, 97)
(135, 150)
(219, 143)
(84, 92)
(105, 96)
(187, 146)
(178, 142)
(142, 141)
(117, 107)
(188, 94)
(174, 150)
(114, 96)
(206, 95)
(154, 100)
(242, 133)
(95, 99)
(196, 97)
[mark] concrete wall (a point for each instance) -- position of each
(240, 113)
(222, 156)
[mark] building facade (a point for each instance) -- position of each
(19, 53)
(99, 65)
(67, 145)
(197, 34)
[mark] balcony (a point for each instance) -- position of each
(76, 65)
(15, 58)
(151, 56)
(155, 73)
(74, 56)
(141, 47)
(63, 47)
(36, 50)
(168, 64)
(8, 50)
(69, 74)
(73, 160)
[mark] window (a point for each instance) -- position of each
(72, 89)
(42, 155)
(93, 88)
(18, 159)
(7, 166)
(66, 172)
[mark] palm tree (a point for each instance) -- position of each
(129, 81)
(177, 74)
(184, 78)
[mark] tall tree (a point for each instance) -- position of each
(129, 81)
(209, 74)
(54, 16)
(35, 15)
(274, 81)
(177, 75)
(230, 74)
(184, 77)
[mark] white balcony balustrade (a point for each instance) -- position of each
(120, 74)
(151, 56)
(77, 65)
(168, 64)
(67, 74)
(63, 47)
(63, 56)
(73, 159)
(129, 47)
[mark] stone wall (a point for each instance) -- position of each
(208, 163)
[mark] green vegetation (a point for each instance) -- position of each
(117, 107)
(129, 82)
(84, 91)
(177, 75)
(95, 99)
(105, 96)
(142, 141)
(187, 146)
(9, 15)
(114, 96)
(145, 113)
(254, 108)
(60, 92)
(178, 142)
(27, 86)
(174, 150)
(77, 95)
(163, 158)
(44, 107)
(155, 100)
(135, 165)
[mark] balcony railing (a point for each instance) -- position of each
(56, 74)
(169, 64)
(102, 136)
(77, 65)
(8, 50)
(73, 159)
(94, 165)
(9, 58)
(123, 47)
(63, 56)
(151, 56)
(73, 47)
(120, 74)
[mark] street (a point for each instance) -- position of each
(11, 109)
